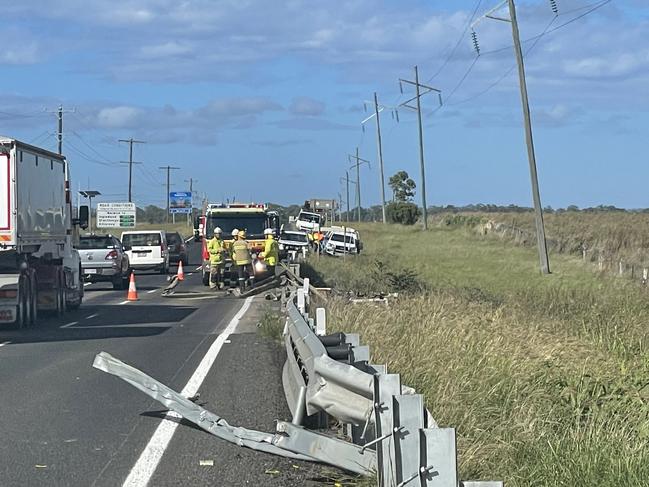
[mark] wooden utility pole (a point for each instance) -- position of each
(380, 149)
(357, 163)
(538, 209)
(130, 163)
(418, 95)
(168, 168)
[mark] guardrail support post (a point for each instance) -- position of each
(300, 407)
(320, 322)
(409, 416)
(385, 387)
(438, 460)
(301, 301)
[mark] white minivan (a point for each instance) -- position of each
(148, 249)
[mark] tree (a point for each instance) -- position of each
(403, 187)
(403, 212)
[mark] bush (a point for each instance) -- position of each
(402, 212)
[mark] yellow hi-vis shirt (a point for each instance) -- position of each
(216, 249)
(271, 251)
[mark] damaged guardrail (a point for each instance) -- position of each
(332, 374)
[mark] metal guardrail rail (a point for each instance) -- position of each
(332, 375)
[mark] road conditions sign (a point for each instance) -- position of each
(116, 215)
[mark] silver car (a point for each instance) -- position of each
(104, 258)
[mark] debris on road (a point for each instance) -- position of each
(206, 463)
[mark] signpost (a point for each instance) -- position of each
(180, 202)
(116, 215)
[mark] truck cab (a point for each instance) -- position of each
(309, 221)
(253, 218)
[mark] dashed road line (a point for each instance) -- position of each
(94, 315)
(4, 343)
(146, 465)
(68, 325)
(151, 291)
(87, 284)
(198, 268)
(124, 302)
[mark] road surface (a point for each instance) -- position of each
(65, 423)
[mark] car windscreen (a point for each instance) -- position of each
(294, 237)
(95, 243)
(141, 239)
(173, 239)
(338, 237)
(252, 224)
(309, 217)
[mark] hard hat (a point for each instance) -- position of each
(242, 234)
(218, 230)
(269, 231)
(235, 232)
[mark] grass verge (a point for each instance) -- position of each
(546, 378)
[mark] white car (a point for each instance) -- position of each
(148, 249)
(340, 242)
(308, 221)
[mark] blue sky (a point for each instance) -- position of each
(263, 100)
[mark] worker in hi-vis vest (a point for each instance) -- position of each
(271, 251)
(216, 249)
(242, 259)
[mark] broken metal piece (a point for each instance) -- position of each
(326, 449)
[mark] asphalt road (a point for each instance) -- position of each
(63, 423)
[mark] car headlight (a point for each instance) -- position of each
(281, 246)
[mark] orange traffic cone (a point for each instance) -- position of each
(181, 271)
(132, 291)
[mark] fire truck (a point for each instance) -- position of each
(253, 218)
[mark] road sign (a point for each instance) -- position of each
(116, 215)
(180, 202)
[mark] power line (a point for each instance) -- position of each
(459, 41)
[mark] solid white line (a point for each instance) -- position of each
(198, 268)
(146, 465)
(151, 291)
(94, 315)
(72, 323)
(4, 343)
(124, 302)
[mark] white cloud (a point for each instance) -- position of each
(303, 105)
(118, 117)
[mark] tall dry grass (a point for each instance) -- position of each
(546, 379)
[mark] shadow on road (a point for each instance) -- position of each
(107, 321)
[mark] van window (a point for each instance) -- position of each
(338, 237)
(141, 239)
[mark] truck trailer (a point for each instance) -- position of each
(40, 270)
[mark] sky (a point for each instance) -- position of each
(263, 101)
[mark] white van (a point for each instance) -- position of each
(148, 249)
(307, 221)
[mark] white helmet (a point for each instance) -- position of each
(217, 231)
(269, 231)
(235, 232)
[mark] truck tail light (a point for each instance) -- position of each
(8, 293)
(112, 255)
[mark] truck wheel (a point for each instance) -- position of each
(206, 278)
(33, 301)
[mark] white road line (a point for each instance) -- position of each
(198, 268)
(87, 284)
(94, 315)
(146, 465)
(4, 343)
(68, 325)
(151, 291)
(125, 302)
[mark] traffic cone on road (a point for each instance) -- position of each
(132, 291)
(181, 271)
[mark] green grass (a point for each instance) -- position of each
(546, 378)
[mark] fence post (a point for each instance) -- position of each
(320, 321)
(621, 267)
(385, 387)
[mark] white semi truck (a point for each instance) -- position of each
(40, 270)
